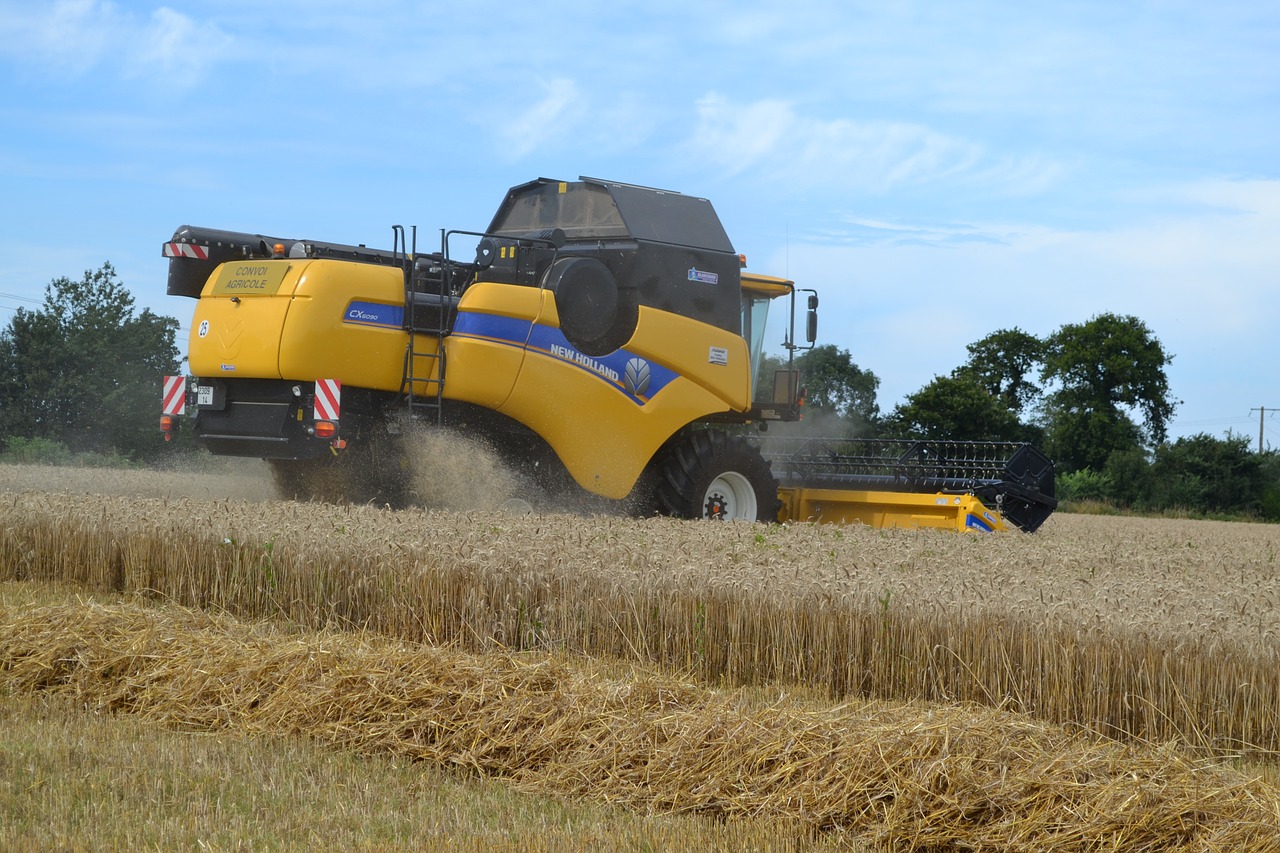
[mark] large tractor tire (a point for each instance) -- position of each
(713, 475)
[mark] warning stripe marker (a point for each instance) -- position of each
(175, 396)
(186, 250)
(328, 399)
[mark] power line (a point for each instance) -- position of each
(1236, 419)
(1262, 418)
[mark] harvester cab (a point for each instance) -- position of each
(611, 248)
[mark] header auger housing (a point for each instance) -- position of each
(596, 333)
(1015, 479)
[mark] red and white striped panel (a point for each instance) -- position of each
(186, 250)
(328, 399)
(175, 395)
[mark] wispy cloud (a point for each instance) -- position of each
(548, 119)
(72, 38)
(175, 45)
(68, 37)
(772, 140)
(856, 230)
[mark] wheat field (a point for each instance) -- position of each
(1150, 631)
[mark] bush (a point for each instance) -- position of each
(1083, 485)
(1130, 476)
(1209, 475)
(44, 451)
(35, 451)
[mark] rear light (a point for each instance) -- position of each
(326, 429)
(166, 422)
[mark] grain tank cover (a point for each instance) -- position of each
(665, 249)
(594, 209)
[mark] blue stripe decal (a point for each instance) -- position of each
(374, 314)
(492, 327)
(639, 379)
(972, 520)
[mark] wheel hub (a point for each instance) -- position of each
(729, 497)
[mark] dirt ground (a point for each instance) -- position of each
(222, 479)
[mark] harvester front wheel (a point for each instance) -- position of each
(712, 475)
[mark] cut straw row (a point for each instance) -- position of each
(910, 776)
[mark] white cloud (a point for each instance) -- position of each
(175, 46)
(77, 37)
(548, 119)
(68, 37)
(771, 139)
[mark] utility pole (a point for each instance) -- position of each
(1262, 414)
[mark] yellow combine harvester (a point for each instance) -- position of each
(602, 335)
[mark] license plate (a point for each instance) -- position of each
(204, 395)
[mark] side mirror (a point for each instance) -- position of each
(811, 321)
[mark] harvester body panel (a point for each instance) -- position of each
(607, 416)
(301, 321)
(239, 319)
(506, 352)
(487, 347)
(346, 322)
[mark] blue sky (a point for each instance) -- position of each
(937, 171)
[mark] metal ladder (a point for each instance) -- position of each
(422, 385)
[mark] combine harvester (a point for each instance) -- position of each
(602, 336)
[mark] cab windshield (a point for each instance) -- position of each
(755, 312)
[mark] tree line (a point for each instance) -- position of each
(1093, 395)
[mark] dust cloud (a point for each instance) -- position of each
(447, 470)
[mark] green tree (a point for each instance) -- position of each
(833, 383)
(1129, 473)
(1105, 367)
(1269, 503)
(85, 369)
(1208, 474)
(1003, 363)
(1078, 435)
(956, 407)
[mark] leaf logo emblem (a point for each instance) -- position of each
(636, 377)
